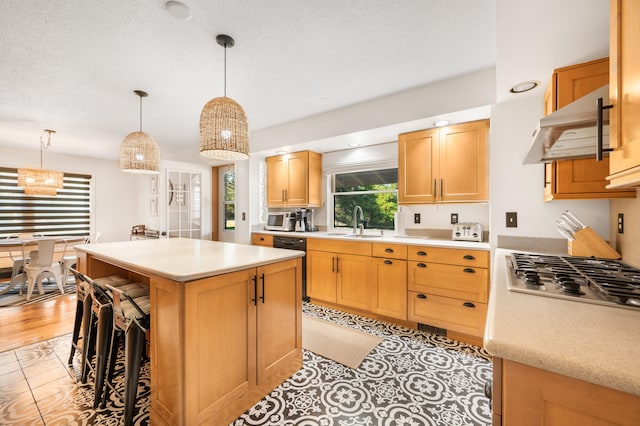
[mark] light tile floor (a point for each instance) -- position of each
(411, 378)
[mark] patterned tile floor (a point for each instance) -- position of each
(410, 379)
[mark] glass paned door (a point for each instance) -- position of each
(184, 210)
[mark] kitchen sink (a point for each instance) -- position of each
(362, 236)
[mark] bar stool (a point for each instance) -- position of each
(131, 321)
(83, 311)
(97, 331)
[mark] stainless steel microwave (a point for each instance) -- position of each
(281, 221)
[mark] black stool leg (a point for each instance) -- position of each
(113, 358)
(88, 345)
(105, 327)
(134, 345)
(76, 329)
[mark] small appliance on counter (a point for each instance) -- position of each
(467, 231)
(582, 240)
(281, 221)
(304, 220)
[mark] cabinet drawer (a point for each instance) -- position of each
(464, 257)
(337, 246)
(445, 312)
(262, 240)
(462, 282)
(390, 251)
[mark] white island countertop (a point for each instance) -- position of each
(594, 343)
(184, 259)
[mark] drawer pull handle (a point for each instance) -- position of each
(421, 296)
(468, 305)
(469, 257)
(261, 238)
(421, 265)
(421, 253)
(388, 262)
(388, 250)
(469, 270)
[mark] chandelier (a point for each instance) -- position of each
(39, 181)
(138, 151)
(224, 131)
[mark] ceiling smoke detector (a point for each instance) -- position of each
(178, 9)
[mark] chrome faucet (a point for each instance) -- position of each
(357, 223)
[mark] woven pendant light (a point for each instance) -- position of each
(40, 181)
(224, 131)
(138, 151)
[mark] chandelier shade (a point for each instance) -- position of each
(139, 152)
(224, 130)
(39, 181)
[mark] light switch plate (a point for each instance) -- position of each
(512, 219)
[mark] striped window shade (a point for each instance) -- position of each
(68, 213)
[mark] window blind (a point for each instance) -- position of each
(68, 213)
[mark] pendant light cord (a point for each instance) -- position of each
(225, 70)
(140, 113)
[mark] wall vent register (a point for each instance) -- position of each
(581, 279)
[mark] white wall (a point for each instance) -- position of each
(515, 187)
(115, 194)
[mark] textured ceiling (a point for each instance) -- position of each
(72, 65)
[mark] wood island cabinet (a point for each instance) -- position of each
(582, 178)
(389, 292)
(448, 288)
(536, 397)
(339, 272)
(447, 164)
(624, 93)
(294, 180)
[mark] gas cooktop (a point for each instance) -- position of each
(582, 279)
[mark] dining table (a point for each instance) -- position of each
(18, 249)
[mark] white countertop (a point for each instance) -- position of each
(387, 238)
(184, 259)
(594, 343)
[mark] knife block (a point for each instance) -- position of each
(588, 243)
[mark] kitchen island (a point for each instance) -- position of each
(560, 362)
(225, 321)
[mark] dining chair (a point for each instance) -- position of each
(42, 263)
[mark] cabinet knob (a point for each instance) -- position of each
(421, 265)
(421, 253)
(469, 257)
(261, 238)
(421, 296)
(388, 262)
(388, 250)
(469, 270)
(468, 305)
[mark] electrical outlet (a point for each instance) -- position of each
(416, 218)
(620, 223)
(512, 219)
(454, 218)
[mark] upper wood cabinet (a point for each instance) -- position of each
(624, 93)
(578, 178)
(447, 164)
(294, 180)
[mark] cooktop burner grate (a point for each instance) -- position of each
(585, 279)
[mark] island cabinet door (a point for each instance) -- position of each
(279, 320)
(220, 343)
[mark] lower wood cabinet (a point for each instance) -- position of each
(389, 287)
(446, 312)
(531, 396)
(339, 272)
(265, 240)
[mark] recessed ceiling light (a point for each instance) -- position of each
(525, 86)
(441, 123)
(177, 9)
(355, 144)
(282, 152)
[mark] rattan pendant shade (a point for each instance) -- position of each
(224, 130)
(39, 181)
(139, 152)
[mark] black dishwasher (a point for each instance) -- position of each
(295, 243)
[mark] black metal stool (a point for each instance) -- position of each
(83, 310)
(130, 320)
